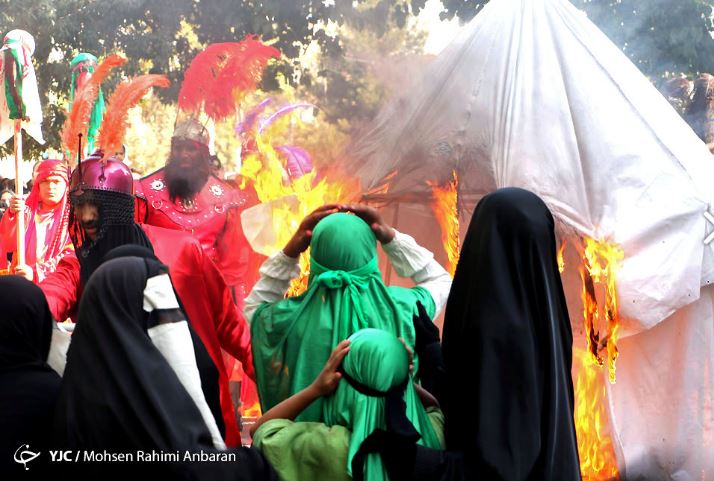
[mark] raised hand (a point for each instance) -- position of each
(326, 382)
(383, 231)
(300, 241)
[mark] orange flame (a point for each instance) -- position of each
(561, 261)
(293, 200)
(597, 453)
(598, 274)
(601, 262)
(445, 207)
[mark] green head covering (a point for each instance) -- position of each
(376, 373)
(293, 338)
(86, 62)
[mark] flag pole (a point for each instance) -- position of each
(20, 225)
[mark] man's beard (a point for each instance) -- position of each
(184, 182)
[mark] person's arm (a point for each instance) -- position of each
(325, 383)
(231, 328)
(61, 287)
(407, 257)
(411, 260)
(276, 273)
(282, 267)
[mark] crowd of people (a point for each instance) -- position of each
(353, 378)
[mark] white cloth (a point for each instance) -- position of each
(406, 256)
(662, 406)
(30, 95)
(531, 94)
(159, 294)
(57, 357)
(173, 341)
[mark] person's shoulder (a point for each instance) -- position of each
(150, 183)
(218, 188)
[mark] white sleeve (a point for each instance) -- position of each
(173, 340)
(276, 273)
(409, 259)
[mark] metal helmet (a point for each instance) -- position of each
(98, 173)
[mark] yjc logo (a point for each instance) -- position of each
(25, 456)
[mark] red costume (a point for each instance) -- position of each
(213, 218)
(46, 236)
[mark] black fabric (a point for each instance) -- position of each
(507, 347)
(28, 386)
(432, 372)
(206, 368)
(120, 395)
(116, 227)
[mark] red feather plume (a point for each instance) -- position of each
(222, 74)
(126, 96)
(77, 121)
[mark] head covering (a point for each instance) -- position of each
(58, 235)
(376, 393)
(193, 130)
(108, 184)
(25, 326)
(28, 386)
(120, 394)
(293, 338)
(83, 66)
(507, 346)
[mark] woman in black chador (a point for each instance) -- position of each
(136, 381)
(507, 353)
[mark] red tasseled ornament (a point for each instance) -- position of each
(126, 95)
(77, 121)
(222, 74)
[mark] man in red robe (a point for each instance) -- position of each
(46, 237)
(185, 195)
(102, 218)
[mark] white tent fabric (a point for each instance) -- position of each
(532, 94)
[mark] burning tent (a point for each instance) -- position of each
(532, 94)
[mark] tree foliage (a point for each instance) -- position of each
(153, 35)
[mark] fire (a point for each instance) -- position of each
(601, 261)
(292, 199)
(598, 274)
(597, 453)
(561, 261)
(445, 207)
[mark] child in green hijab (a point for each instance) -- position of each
(292, 338)
(368, 394)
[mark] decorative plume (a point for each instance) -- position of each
(126, 96)
(78, 119)
(222, 74)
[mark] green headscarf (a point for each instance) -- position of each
(86, 62)
(379, 362)
(293, 338)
